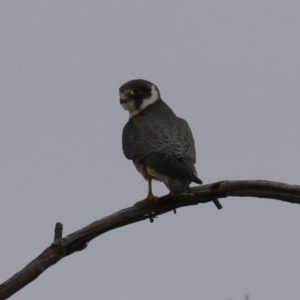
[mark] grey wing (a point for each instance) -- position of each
(186, 140)
(140, 137)
(186, 153)
(166, 146)
(143, 136)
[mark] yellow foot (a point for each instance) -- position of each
(148, 199)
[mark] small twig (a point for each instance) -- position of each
(58, 231)
(217, 203)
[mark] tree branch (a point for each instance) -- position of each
(78, 240)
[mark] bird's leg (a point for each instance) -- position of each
(150, 196)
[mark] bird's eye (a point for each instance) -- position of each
(135, 91)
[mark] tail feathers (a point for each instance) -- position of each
(177, 186)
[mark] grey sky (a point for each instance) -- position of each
(231, 68)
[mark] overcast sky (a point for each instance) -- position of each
(230, 68)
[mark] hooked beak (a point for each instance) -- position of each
(123, 100)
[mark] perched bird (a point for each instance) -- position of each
(159, 143)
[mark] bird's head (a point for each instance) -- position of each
(137, 94)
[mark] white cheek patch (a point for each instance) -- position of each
(154, 97)
(130, 106)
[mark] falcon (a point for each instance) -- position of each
(159, 143)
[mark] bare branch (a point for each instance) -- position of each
(78, 240)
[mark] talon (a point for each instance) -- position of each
(148, 199)
(150, 196)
